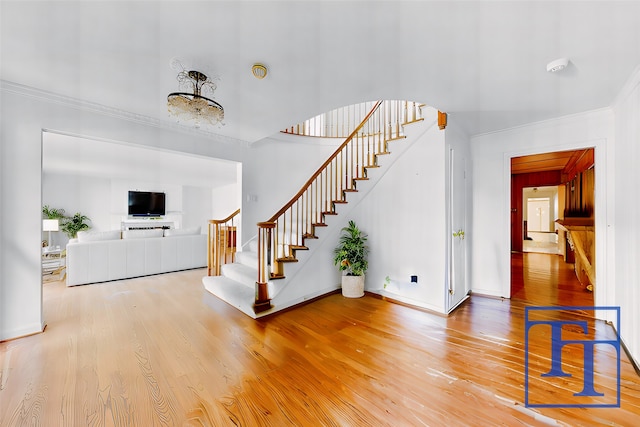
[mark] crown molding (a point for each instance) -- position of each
(104, 110)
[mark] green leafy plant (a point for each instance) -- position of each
(71, 225)
(351, 253)
(52, 213)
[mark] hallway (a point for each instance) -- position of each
(544, 279)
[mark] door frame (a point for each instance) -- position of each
(454, 295)
(605, 289)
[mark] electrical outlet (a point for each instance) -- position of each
(414, 279)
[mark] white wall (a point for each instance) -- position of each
(90, 196)
(25, 114)
(627, 212)
(104, 200)
(405, 218)
(275, 169)
(491, 164)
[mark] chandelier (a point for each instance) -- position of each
(193, 107)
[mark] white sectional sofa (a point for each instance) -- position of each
(112, 255)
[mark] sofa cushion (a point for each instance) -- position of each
(142, 234)
(94, 236)
(181, 231)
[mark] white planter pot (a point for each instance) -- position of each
(353, 286)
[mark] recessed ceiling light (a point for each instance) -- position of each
(557, 65)
(259, 71)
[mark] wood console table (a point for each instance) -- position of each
(581, 237)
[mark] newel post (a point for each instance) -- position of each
(442, 120)
(265, 258)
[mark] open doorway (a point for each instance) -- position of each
(92, 177)
(553, 200)
(540, 210)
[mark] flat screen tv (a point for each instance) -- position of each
(146, 203)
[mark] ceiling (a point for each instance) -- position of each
(483, 62)
(564, 161)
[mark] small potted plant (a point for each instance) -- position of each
(351, 258)
(74, 224)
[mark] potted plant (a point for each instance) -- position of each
(76, 223)
(52, 213)
(351, 258)
(52, 219)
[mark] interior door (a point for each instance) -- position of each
(457, 284)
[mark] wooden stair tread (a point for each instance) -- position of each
(329, 213)
(309, 236)
(396, 138)
(287, 259)
(298, 247)
(350, 190)
(382, 153)
(319, 224)
(339, 201)
(361, 178)
(274, 276)
(413, 121)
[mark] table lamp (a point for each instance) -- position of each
(50, 225)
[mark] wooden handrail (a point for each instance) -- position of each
(332, 124)
(227, 219)
(324, 165)
(280, 237)
(221, 243)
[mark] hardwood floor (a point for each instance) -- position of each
(544, 279)
(162, 351)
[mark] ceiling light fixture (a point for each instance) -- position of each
(192, 106)
(259, 71)
(557, 65)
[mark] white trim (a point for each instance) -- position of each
(31, 329)
(104, 110)
(601, 291)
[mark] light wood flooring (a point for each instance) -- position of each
(161, 351)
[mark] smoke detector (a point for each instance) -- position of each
(557, 65)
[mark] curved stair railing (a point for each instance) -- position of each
(285, 232)
(221, 243)
(336, 123)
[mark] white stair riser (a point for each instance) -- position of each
(240, 273)
(250, 259)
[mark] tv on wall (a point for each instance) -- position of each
(146, 203)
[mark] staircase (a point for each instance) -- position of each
(301, 221)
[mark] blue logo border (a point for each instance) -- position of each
(526, 357)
